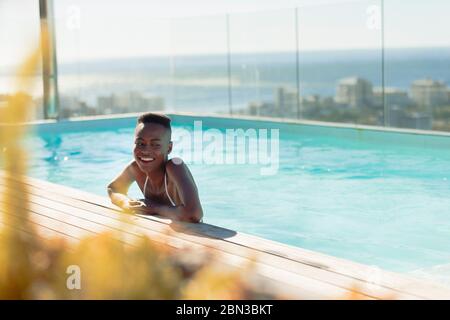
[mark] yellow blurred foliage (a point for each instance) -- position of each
(213, 282)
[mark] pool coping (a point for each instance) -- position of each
(362, 135)
(134, 115)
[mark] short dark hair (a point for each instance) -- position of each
(150, 117)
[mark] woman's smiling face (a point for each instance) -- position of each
(151, 146)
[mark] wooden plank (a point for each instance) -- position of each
(63, 190)
(317, 272)
(81, 219)
(298, 286)
(291, 266)
(391, 280)
(239, 238)
(263, 269)
(306, 287)
(385, 293)
(49, 234)
(56, 225)
(41, 232)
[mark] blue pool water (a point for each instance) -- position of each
(379, 205)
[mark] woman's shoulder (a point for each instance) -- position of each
(176, 166)
(174, 163)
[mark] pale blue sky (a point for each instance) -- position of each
(91, 29)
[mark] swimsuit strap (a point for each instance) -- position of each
(165, 187)
(145, 186)
(167, 192)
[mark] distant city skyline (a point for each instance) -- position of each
(355, 99)
(102, 30)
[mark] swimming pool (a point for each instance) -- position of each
(374, 201)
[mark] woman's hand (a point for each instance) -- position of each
(144, 206)
(132, 205)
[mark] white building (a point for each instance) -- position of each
(393, 96)
(400, 119)
(105, 104)
(257, 108)
(70, 103)
(429, 93)
(129, 102)
(354, 92)
(286, 101)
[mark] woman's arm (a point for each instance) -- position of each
(118, 188)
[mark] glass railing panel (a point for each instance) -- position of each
(198, 65)
(417, 68)
(112, 58)
(263, 57)
(341, 62)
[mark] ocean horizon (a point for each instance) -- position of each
(194, 82)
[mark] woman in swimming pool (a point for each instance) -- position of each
(168, 186)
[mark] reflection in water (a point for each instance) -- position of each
(52, 144)
(53, 147)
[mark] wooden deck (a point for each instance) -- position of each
(289, 271)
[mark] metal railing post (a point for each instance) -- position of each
(386, 113)
(230, 92)
(297, 65)
(49, 62)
